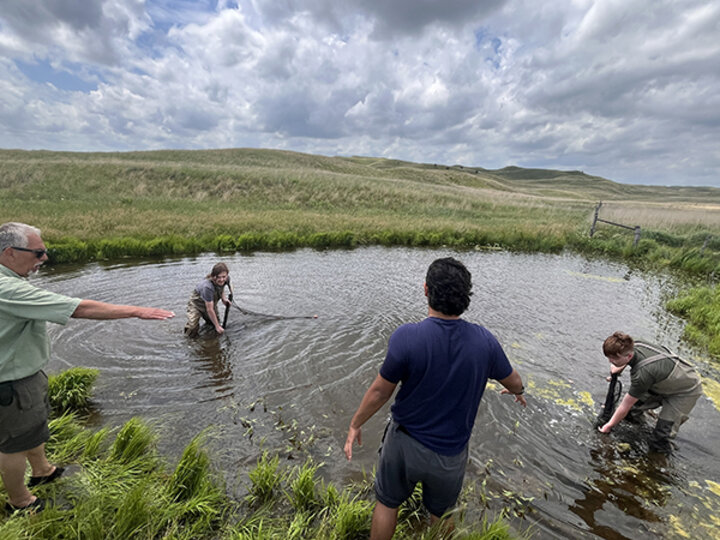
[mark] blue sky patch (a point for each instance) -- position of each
(42, 72)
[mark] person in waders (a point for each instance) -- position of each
(658, 378)
(204, 301)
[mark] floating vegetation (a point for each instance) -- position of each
(560, 392)
(611, 279)
(713, 486)
(711, 388)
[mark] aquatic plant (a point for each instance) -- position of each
(133, 443)
(123, 490)
(303, 487)
(71, 389)
(265, 479)
(352, 518)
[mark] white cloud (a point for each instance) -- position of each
(623, 89)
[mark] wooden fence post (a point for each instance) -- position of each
(597, 211)
(705, 243)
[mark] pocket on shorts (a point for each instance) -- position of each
(7, 393)
(30, 406)
(31, 392)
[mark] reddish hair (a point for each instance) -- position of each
(618, 344)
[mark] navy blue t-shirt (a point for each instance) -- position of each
(443, 366)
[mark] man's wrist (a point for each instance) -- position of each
(521, 392)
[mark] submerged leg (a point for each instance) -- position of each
(659, 440)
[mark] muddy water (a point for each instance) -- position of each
(292, 385)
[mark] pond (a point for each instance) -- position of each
(291, 385)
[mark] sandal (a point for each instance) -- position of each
(38, 505)
(40, 480)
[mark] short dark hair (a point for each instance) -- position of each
(449, 284)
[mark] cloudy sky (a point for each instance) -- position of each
(625, 89)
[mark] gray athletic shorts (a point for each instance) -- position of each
(404, 462)
(23, 422)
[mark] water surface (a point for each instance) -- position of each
(292, 385)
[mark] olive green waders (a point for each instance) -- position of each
(676, 394)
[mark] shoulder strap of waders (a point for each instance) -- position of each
(660, 354)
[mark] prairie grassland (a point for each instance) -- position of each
(76, 196)
(112, 205)
(207, 193)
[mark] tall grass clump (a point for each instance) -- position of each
(265, 478)
(352, 519)
(71, 389)
(701, 307)
(196, 494)
(489, 530)
(123, 490)
(304, 496)
(133, 443)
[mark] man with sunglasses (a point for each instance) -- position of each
(25, 351)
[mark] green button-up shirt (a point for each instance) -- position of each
(24, 310)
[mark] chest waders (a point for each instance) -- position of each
(676, 394)
(196, 310)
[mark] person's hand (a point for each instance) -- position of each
(226, 301)
(353, 435)
(155, 313)
(220, 330)
(604, 429)
(519, 398)
(614, 370)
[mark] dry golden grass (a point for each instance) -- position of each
(674, 217)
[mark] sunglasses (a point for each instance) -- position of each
(38, 252)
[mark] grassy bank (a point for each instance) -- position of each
(701, 307)
(98, 205)
(119, 487)
(152, 204)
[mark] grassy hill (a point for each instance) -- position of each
(110, 205)
(300, 199)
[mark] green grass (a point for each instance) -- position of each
(106, 206)
(122, 488)
(71, 389)
(152, 204)
(701, 307)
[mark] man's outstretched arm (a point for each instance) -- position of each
(92, 309)
(376, 396)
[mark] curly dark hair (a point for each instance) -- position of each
(449, 284)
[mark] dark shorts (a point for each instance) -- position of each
(24, 422)
(404, 462)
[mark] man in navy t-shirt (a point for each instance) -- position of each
(443, 364)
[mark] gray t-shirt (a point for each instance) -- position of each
(206, 291)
